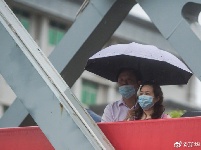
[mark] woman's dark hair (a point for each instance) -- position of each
(158, 106)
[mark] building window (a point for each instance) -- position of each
(24, 18)
(56, 32)
(89, 92)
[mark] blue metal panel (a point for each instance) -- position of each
(94, 25)
(42, 91)
(177, 29)
(14, 115)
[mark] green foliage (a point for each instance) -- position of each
(176, 113)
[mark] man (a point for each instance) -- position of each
(128, 81)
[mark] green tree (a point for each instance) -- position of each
(176, 113)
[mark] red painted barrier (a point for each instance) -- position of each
(25, 138)
(161, 134)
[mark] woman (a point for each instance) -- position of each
(150, 103)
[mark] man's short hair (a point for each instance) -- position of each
(136, 73)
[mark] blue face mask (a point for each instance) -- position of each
(145, 101)
(127, 91)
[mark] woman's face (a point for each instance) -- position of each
(148, 90)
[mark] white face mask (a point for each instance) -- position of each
(145, 101)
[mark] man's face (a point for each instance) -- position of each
(127, 77)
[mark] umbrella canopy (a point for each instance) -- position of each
(150, 62)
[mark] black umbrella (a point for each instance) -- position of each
(150, 62)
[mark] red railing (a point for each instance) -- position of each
(160, 134)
